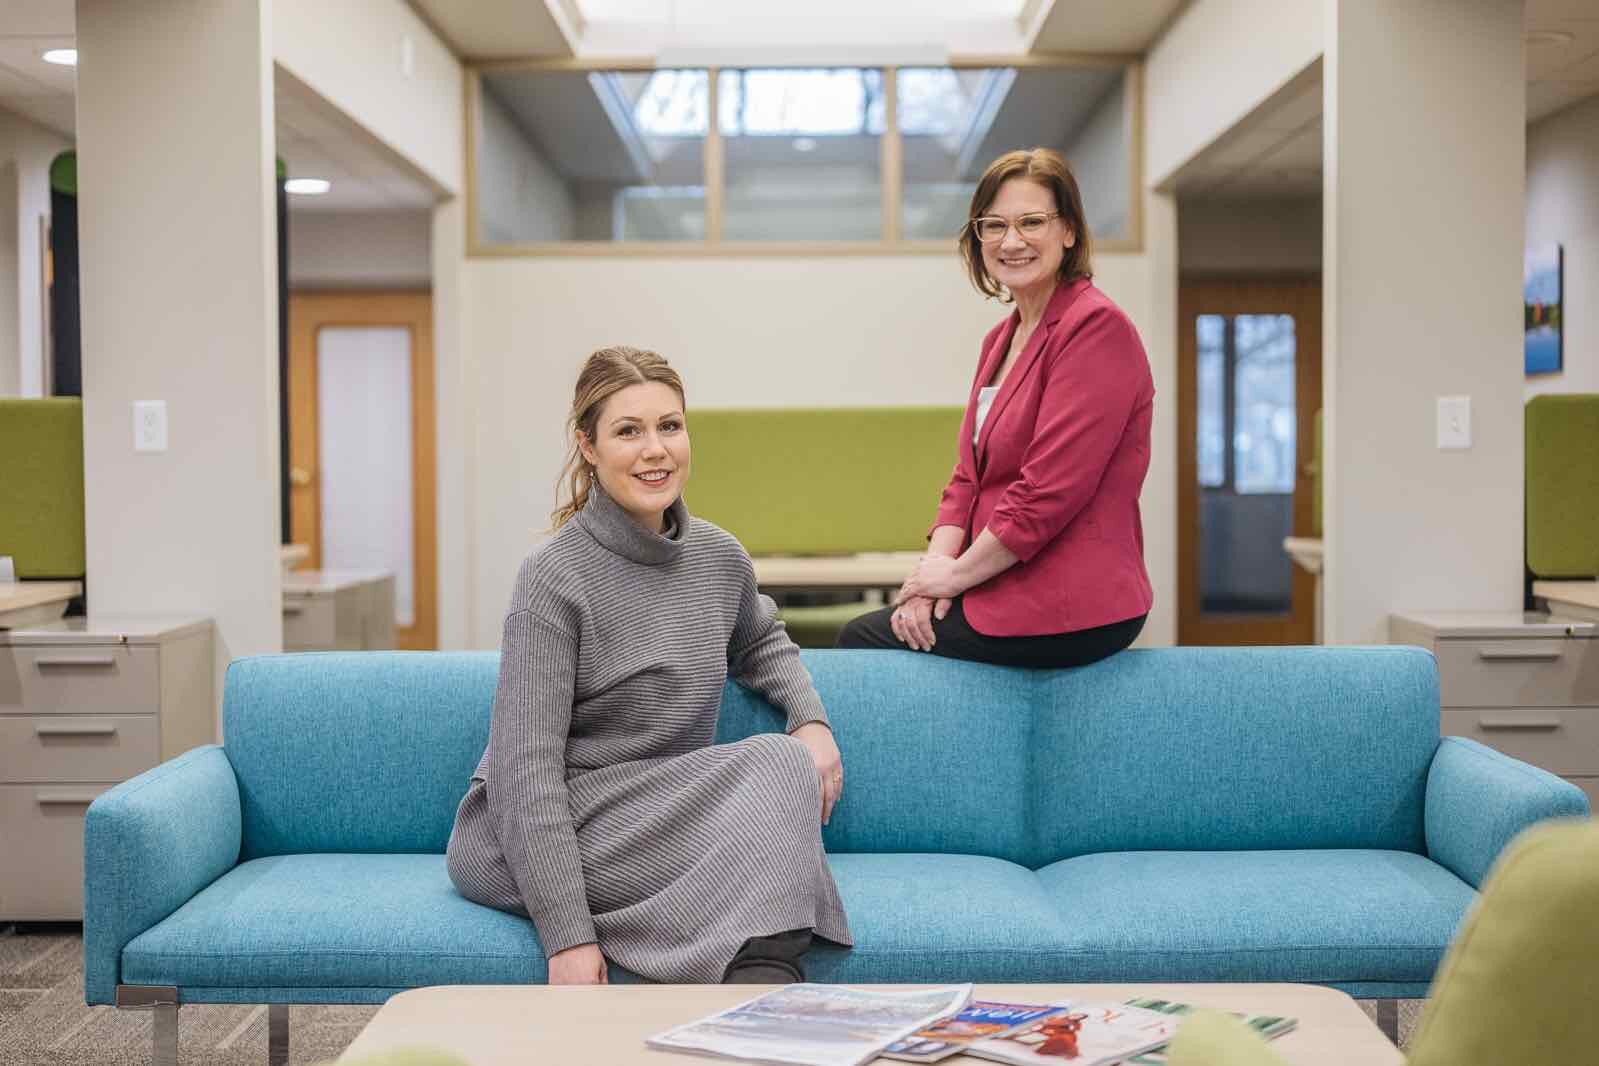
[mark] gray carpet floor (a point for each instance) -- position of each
(44, 1022)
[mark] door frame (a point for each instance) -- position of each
(311, 311)
(1299, 296)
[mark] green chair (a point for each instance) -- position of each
(1519, 984)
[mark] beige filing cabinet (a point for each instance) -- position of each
(338, 610)
(1526, 684)
(85, 704)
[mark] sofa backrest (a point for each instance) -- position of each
(1163, 749)
(1151, 750)
(827, 501)
(355, 751)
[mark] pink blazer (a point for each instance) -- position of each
(1057, 471)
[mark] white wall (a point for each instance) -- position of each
(1098, 154)
(179, 284)
(856, 330)
(1424, 190)
(1253, 237)
(519, 194)
(350, 53)
(26, 150)
(360, 249)
(454, 399)
(1214, 66)
(1563, 208)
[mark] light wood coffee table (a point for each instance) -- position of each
(535, 1025)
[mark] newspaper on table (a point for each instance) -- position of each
(814, 1025)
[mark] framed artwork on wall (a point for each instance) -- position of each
(1542, 310)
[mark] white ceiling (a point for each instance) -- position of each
(314, 139)
(493, 29)
(1130, 26)
(1276, 152)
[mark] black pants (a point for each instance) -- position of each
(954, 638)
(770, 960)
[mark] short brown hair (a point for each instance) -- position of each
(605, 373)
(1048, 168)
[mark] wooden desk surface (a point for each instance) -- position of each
(868, 570)
(34, 602)
(606, 1025)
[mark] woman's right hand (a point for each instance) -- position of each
(580, 965)
(912, 620)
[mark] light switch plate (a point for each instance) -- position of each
(149, 425)
(1454, 422)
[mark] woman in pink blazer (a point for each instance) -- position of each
(1037, 555)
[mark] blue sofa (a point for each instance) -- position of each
(1181, 814)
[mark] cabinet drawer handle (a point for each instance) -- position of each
(65, 798)
(1512, 655)
(293, 608)
(1521, 723)
(105, 662)
(75, 730)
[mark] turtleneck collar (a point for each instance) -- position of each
(605, 521)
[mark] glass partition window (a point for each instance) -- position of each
(592, 156)
(954, 122)
(802, 154)
(796, 154)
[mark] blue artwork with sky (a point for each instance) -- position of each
(1542, 310)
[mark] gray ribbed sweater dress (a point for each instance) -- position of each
(601, 809)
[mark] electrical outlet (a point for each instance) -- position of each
(1454, 422)
(149, 425)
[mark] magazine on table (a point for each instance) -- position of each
(814, 1025)
(1083, 1033)
(978, 1020)
(1269, 1026)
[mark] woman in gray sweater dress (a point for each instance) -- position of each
(601, 808)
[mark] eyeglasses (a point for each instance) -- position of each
(991, 228)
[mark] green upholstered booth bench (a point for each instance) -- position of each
(1563, 486)
(41, 486)
(823, 483)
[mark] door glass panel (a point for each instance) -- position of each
(364, 441)
(1246, 444)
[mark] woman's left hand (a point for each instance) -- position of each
(818, 740)
(936, 577)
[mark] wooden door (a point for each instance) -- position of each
(1249, 365)
(315, 319)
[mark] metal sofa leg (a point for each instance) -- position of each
(278, 1034)
(1388, 1019)
(162, 1002)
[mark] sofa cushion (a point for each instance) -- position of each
(1319, 917)
(940, 918)
(335, 921)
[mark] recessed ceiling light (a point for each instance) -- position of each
(804, 144)
(61, 57)
(1549, 37)
(307, 186)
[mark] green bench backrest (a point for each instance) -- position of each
(1563, 486)
(41, 486)
(821, 481)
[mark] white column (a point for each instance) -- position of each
(177, 225)
(453, 395)
(1425, 129)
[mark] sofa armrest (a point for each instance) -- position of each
(1478, 799)
(149, 845)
